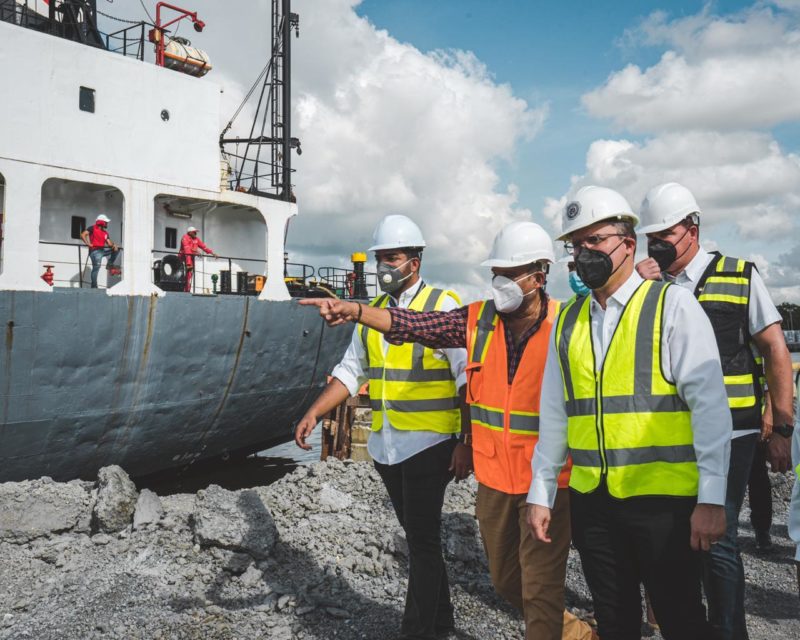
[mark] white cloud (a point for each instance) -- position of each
(719, 72)
(742, 178)
(386, 128)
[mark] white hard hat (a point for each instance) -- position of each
(594, 204)
(520, 243)
(190, 229)
(103, 218)
(396, 232)
(666, 205)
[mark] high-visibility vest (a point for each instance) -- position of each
(416, 390)
(505, 418)
(724, 293)
(625, 419)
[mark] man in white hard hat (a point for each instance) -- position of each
(100, 244)
(746, 325)
(633, 391)
(191, 246)
(416, 396)
(506, 338)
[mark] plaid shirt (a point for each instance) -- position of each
(448, 330)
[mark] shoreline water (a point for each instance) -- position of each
(258, 470)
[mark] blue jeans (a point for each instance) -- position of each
(97, 256)
(723, 572)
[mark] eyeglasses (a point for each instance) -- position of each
(592, 241)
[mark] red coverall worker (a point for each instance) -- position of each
(190, 247)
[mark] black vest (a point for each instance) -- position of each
(724, 294)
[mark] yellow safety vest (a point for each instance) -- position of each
(625, 420)
(416, 390)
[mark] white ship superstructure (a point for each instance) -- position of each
(86, 131)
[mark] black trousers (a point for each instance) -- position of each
(416, 488)
(624, 543)
(760, 491)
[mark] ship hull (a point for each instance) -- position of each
(149, 383)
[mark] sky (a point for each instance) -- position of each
(466, 115)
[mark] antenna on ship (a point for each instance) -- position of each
(255, 169)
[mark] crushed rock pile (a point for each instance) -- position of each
(318, 554)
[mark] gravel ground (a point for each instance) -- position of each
(317, 554)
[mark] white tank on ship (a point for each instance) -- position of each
(180, 55)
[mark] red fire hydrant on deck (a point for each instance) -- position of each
(48, 275)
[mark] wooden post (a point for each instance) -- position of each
(345, 429)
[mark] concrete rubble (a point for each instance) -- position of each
(317, 554)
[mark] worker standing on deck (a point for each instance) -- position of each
(101, 246)
(506, 340)
(416, 396)
(746, 323)
(190, 247)
(633, 391)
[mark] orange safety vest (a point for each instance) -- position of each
(505, 418)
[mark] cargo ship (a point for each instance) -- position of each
(139, 371)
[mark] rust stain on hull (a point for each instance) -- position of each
(215, 417)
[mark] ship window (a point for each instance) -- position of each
(77, 228)
(86, 99)
(171, 238)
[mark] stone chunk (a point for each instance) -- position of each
(332, 499)
(235, 520)
(36, 508)
(148, 509)
(116, 500)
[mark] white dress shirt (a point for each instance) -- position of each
(689, 357)
(761, 310)
(390, 445)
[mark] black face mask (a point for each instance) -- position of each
(595, 267)
(663, 252)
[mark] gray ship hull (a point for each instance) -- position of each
(88, 380)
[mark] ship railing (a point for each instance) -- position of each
(128, 42)
(70, 264)
(347, 284)
(219, 274)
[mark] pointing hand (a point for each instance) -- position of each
(333, 311)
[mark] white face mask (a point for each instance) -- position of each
(507, 294)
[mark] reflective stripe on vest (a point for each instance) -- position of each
(415, 390)
(724, 294)
(505, 418)
(626, 421)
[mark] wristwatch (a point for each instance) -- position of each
(465, 439)
(785, 430)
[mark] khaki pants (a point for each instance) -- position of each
(528, 573)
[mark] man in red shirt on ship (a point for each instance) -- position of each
(100, 246)
(190, 247)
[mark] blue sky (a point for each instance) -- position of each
(553, 53)
(547, 51)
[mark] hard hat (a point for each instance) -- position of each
(594, 204)
(396, 232)
(190, 229)
(520, 243)
(103, 218)
(666, 205)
